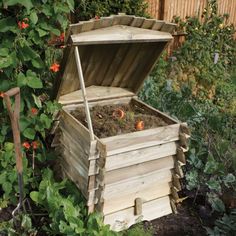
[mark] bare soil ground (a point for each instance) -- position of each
(107, 122)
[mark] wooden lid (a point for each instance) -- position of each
(117, 51)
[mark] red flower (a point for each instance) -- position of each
(62, 37)
(1, 94)
(22, 25)
(34, 111)
(26, 145)
(35, 144)
(97, 17)
(55, 67)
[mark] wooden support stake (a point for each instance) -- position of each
(183, 140)
(180, 155)
(81, 79)
(173, 206)
(138, 206)
(176, 182)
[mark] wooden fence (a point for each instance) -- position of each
(167, 9)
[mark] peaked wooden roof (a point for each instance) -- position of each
(109, 63)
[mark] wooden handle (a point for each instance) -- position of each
(14, 117)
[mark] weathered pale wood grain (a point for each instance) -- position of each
(136, 156)
(95, 93)
(132, 185)
(151, 210)
(148, 193)
(140, 169)
(119, 34)
(141, 139)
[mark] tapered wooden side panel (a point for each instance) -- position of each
(150, 192)
(72, 174)
(150, 210)
(139, 156)
(136, 183)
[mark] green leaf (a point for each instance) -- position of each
(70, 4)
(33, 81)
(7, 187)
(24, 123)
(29, 133)
(8, 24)
(229, 178)
(35, 196)
(33, 17)
(42, 32)
(45, 120)
(37, 101)
(6, 62)
(56, 32)
(21, 80)
(4, 52)
(26, 3)
(26, 222)
(37, 63)
(28, 53)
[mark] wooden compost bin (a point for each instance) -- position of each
(128, 177)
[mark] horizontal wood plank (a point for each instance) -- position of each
(137, 156)
(151, 210)
(165, 163)
(141, 139)
(95, 93)
(136, 183)
(153, 191)
(120, 34)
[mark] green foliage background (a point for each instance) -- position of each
(193, 86)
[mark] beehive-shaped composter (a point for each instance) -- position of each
(127, 177)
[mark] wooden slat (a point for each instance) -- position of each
(158, 24)
(148, 23)
(137, 21)
(168, 27)
(95, 93)
(115, 64)
(153, 191)
(121, 160)
(141, 139)
(120, 34)
(134, 184)
(116, 101)
(151, 210)
(127, 62)
(71, 172)
(140, 169)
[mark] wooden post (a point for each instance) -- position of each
(81, 79)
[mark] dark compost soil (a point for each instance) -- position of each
(106, 123)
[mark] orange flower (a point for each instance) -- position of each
(22, 25)
(26, 145)
(34, 111)
(35, 144)
(62, 37)
(55, 67)
(2, 94)
(139, 125)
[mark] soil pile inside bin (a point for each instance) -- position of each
(108, 121)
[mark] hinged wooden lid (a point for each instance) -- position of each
(116, 51)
